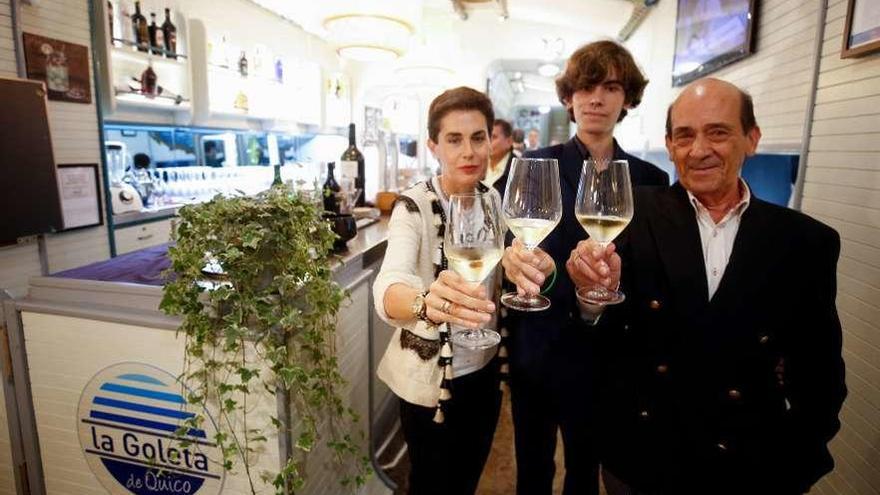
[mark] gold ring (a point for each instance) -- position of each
(444, 308)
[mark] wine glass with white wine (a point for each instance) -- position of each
(532, 209)
(604, 207)
(473, 243)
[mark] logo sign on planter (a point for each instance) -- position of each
(128, 417)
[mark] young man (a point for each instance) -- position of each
(502, 153)
(722, 369)
(551, 367)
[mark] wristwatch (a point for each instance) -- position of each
(418, 308)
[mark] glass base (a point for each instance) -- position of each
(600, 296)
(476, 339)
(525, 303)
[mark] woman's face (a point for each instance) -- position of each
(462, 148)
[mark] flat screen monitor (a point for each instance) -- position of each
(710, 34)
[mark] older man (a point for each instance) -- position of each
(722, 369)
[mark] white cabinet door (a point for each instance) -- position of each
(141, 236)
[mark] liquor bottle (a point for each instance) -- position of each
(331, 188)
(352, 162)
(149, 82)
(140, 28)
(169, 31)
(157, 39)
(243, 65)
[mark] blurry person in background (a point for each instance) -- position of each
(551, 353)
(502, 153)
(518, 136)
(722, 370)
(533, 141)
(213, 156)
(448, 436)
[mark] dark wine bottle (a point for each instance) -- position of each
(331, 187)
(141, 29)
(276, 181)
(169, 30)
(243, 65)
(157, 39)
(352, 162)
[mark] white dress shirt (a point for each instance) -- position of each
(495, 170)
(718, 238)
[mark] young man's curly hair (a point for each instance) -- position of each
(590, 64)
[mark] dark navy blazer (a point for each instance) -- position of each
(535, 338)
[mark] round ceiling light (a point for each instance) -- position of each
(548, 70)
(368, 37)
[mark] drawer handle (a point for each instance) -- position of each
(144, 237)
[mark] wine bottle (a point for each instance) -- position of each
(352, 162)
(276, 180)
(169, 31)
(331, 188)
(157, 39)
(243, 65)
(140, 28)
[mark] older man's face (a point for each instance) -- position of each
(708, 144)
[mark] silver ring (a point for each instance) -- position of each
(444, 308)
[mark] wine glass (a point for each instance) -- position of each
(474, 243)
(532, 209)
(604, 207)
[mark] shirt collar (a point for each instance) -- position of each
(737, 210)
(503, 161)
(585, 153)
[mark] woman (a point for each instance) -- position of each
(449, 404)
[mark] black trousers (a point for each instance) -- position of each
(555, 396)
(448, 458)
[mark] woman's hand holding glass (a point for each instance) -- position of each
(451, 299)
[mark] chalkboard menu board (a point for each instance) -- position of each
(29, 200)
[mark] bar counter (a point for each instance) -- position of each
(75, 327)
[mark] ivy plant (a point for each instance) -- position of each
(267, 324)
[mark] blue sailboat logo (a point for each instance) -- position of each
(129, 420)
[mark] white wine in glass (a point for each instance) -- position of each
(604, 207)
(532, 208)
(473, 243)
(474, 264)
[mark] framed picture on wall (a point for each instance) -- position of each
(861, 33)
(63, 66)
(80, 195)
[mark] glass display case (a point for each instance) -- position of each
(168, 166)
